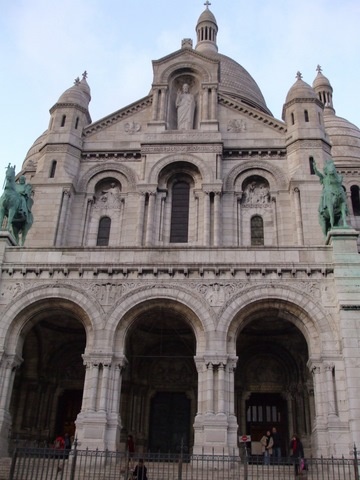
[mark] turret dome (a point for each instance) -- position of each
(300, 90)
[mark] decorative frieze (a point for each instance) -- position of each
(181, 148)
(216, 294)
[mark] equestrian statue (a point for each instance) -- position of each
(332, 207)
(15, 204)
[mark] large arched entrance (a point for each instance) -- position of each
(273, 386)
(48, 385)
(159, 390)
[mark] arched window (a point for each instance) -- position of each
(53, 169)
(103, 232)
(306, 115)
(63, 120)
(76, 123)
(292, 119)
(355, 199)
(179, 228)
(257, 230)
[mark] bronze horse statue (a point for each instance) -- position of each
(333, 206)
(15, 205)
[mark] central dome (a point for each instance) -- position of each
(237, 82)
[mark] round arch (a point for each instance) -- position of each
(21, 315)
(196, 312)
(271, 173)
(206, 173)
(120, 172)
(296, 306)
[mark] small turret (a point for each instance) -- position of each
(303, 114)
(206, 31)
(70, 113)
(323, 90)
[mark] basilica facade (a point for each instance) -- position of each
(176, 284)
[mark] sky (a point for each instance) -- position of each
(45, 45)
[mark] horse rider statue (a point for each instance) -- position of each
(15, 204)
(333, 206)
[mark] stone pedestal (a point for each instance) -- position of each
(98, 430)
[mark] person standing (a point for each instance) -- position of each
(266, 446)
(130, 449)
(276, 443)
(297, 452)
(140, 471)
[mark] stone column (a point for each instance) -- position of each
(231, 367)
(155, 104)
(276, 226)
(91, 384)
(213, 103)
(206, 219)
(210, 388)
(298, 216)
(315, 368)
(163, 92)
(217, 219)
(140, 220)
(106, 369)
(161, 235)
(89, 204)
(61, 227)
(150, 219)
(205, 104)
(238, 241)
(331, 399)
(221, 388)
(8, 366)
(116, 384)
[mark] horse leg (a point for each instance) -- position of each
(343, 215)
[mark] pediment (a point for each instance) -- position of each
(239, 118)
(128, 121)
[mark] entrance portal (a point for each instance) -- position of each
(169, 422)
(264, 411)
(68, 408)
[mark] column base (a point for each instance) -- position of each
(98, 430)
(215, 434)
(5, 427)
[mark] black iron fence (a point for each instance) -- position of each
(77, 464)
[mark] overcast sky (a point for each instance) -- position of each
(45, 45)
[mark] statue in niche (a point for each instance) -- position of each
(111, 196)
(332, 207)
(257, 193)
(185, 105)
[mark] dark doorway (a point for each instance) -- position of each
(169, 422)
(264, 411)
(69, 406)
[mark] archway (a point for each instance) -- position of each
(273, 387)
(48, 386)
(159, 390)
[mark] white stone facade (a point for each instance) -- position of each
(176, 284)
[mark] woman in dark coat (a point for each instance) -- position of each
(297, 454)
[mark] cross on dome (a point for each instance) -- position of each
(298, 76)
(318, 69)
(207, 4)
